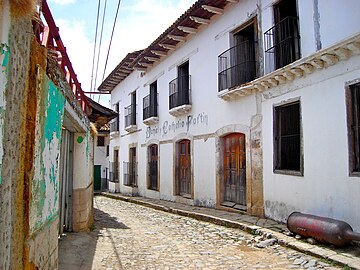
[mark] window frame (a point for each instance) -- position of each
(350, 123)
(102, 139)
(276, 134)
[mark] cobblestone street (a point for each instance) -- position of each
(130, 236)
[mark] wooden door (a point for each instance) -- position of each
(133, 167)
(234, 179)
(184, 168)
(153, 167)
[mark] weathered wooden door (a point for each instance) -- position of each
(133, 167)
(234, 179)
(153, 167)
(184, 168)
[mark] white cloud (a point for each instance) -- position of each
(137, 26)
(62, 2)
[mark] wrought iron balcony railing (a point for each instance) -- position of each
(283, 42)
(130, 116)
(114, 172)
(237, 65)
(130, 173)
(114, 124)
(179, 92)
(150, 107)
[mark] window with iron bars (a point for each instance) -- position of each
(150, 105)
(114, 172)
(130, 173)
(287, 139)
(130, 112)
(179, 88)
(282, 41)
(114, 124)
(237, 65)
(353, 101)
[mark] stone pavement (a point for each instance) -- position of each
(348, 257)
(132, 236)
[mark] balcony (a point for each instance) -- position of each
(130, 174)
(150, 110)
(179, 96)
(237, 65)
(322, 59)
(130, 118)
(114, 127)
(282, 43)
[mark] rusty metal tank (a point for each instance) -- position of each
(322, 229)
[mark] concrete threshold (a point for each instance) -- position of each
(347, 257)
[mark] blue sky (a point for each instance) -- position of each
(139, 23)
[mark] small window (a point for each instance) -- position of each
(100, 141)
(287, 138)
(107, 150)
(354, 129)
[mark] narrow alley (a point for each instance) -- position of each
(131, 236)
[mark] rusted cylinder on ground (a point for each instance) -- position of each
(322, 229)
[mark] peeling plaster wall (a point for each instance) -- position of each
(44, 188)
(13, 210)
(4, 63)
(31, 119)
(5, 188)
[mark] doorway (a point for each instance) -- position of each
(233, 184)
(184, 168)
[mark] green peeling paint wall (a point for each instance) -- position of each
(4, 60)
(45, 185)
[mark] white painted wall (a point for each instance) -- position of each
(208, 114)
(83, 160)
(100, 157)
(326, 188)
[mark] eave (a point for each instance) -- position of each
(188, 24)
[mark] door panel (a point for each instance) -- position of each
(234, 179)
(153, 167)
(184, 173)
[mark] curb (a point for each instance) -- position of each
(283, 240)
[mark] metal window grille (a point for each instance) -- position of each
(130, 173)
(114, 172)
(283, 42)
(130, 115)
(287, 138)
(179, 92)
(237, 65)
(355, 126)
(150, 107)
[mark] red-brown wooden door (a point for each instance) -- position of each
(184, 168)
(153, 167)
(234, 179)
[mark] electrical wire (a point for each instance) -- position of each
(101, 34)
(112, 34)
(95, 41)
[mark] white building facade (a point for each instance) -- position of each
(246, 106)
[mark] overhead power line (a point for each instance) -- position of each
(112, 34)
(95, 41)
(101, 34)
